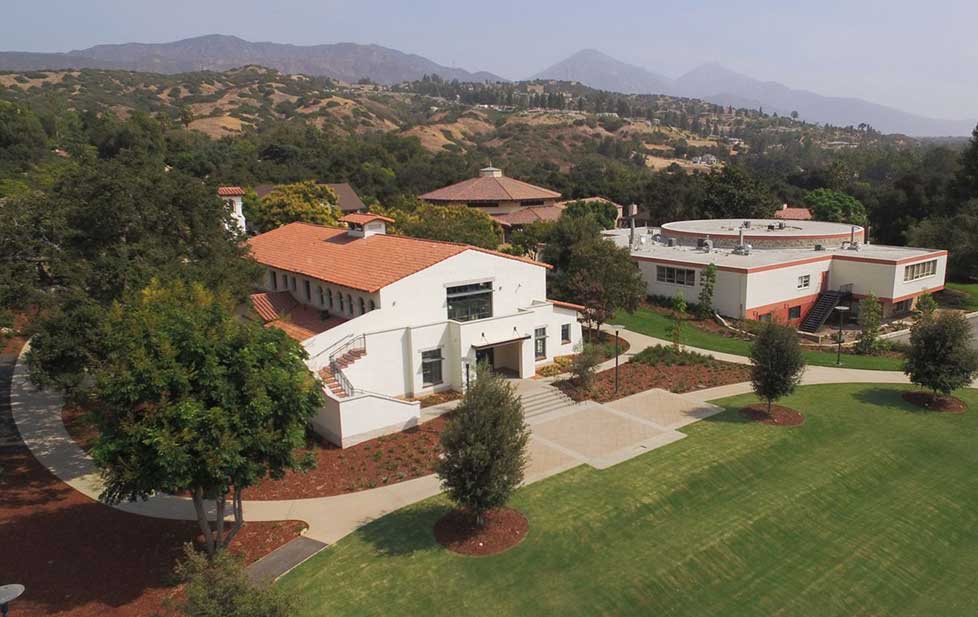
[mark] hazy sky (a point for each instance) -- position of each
(920, 56)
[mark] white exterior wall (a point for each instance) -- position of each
(364, 417)
(237, 211)
(299, 293)
(781, 285)
(729, 293)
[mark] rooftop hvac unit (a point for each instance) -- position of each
(819, 247)
(782, 225)
(707, 245)
(671, 242)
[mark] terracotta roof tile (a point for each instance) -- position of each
(570, 305)
(278, 309)
(366, 264)
(530, 214)
(363, 219)
(230, 191)
(793, 214)
(489, 188)
(272, 305)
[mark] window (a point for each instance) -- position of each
(292, 283)
(363, 306)
(565, 335)
(805, 281)
(764, 317)
(468, 302)
(329, 298)
(531, 202)
(322, 296)
(372, 305)
(902, 307)
(794, 312)
(308, 289)
(919, 270)
(675, 276)
(483, 204)
(431, 367)
(274, 279)
(540, 343)
(341, 302)
(349, 303)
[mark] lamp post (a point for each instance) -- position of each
(842, 312)
(9, 593)
(617, 352)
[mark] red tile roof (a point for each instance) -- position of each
(530, 214)
(347, 199)
(363, 219)
(278, 309)
(230, 191)
(570, 305)
(367, 264)
(489, 188)
(793, 214)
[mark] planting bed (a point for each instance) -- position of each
(779, 416)
(504, 528)
(927, 400)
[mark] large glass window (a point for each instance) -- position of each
(431, 362)
(468, 302)
(540, 343)
(675, 276)
(565, 333)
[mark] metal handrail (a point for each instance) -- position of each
(334, 364)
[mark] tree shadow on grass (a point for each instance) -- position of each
(888, 397)
(731, 415)
(405, 531)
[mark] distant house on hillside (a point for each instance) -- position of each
(347, 199)
(790, 213)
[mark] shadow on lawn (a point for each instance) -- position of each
(887, 396)
(405, 531)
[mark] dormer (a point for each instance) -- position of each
(365, 225)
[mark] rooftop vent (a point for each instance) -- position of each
(819, 247)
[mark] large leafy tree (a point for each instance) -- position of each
(942, 356)
(604, 212)
(601, 277)
(835, 207)
(958, 234)
(191, 399)
(733, 193)
(450, 224)
(777, 363)
(306, 202)
(567, 233)
(484, 446)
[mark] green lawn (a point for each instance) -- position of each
(657, 325)
(969, 288)
(869, 508)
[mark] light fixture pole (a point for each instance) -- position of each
(838, 354)
(617, 352)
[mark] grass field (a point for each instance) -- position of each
(656, 324)
(869, 508)
(969, 288)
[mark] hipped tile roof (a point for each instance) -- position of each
(489, 188)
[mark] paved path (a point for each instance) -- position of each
(972, 319)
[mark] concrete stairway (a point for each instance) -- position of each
(329, 377)
(544, 399)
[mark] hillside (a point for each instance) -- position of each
(348, 62)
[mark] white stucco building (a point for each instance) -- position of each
(388, 318)
(795, 272)
(233, 196)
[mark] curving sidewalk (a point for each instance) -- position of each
(37, 415)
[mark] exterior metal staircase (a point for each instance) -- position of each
(819, 314)
(332, 375)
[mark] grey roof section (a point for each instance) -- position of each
(348, 199)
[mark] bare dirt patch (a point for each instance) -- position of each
(779, 416)
(932, 402)
(503, 529)
(217, 126)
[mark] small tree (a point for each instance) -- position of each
(584, 365)
(193, 400)
(220, 588)
(677, 327)
(926, 307)
(186, 117)
(484, 446)
(708, 281)
(777, 363)
(870, 318)
(942, 357)
(603, 278)
(451, 224)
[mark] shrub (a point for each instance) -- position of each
(484, 446)
(584, 365)
(942, 357)
(670, 356)
(870, 317)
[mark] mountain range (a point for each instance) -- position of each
(351, 62)
(348, 62)
(722, 86)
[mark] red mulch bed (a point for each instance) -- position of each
(386, 460)
(779, 416)
(504, 528)
(79, 557)
(927, 400)
(637, 377)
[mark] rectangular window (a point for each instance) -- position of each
(805, 281)
(329, 297)
(540, 343)
(292, 283)
(431, 362)
(468, 302)
(274, 279)
(565, 335)
(322, 296)
(902, 307)
(764, 317)
(794, 312)
(308, 289)
(919, 270)
(675, 276)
